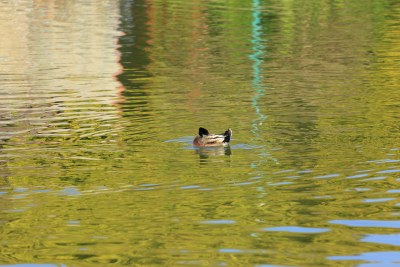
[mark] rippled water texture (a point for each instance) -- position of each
(100, 100)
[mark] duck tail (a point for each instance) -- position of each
(228, 135)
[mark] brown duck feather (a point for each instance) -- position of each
(204, 138)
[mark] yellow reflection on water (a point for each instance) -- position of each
(103, 98)
(59, 65)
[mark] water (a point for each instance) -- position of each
(99, 102)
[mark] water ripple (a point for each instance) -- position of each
(368, 223)
(388, 239)
(296, 229)
(373, 259)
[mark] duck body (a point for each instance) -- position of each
(204, 138)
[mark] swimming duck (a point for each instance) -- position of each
(206, 139)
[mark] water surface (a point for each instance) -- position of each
(99, 102)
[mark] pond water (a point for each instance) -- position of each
(100, 100)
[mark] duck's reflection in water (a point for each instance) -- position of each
(207, 153)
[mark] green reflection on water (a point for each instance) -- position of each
(257, 56)
(101, 103)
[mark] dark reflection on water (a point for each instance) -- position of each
(206, 152)
(99, 103)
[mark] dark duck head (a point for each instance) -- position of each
(204, 138)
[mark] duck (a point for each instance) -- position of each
(204, 138)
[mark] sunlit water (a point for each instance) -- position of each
(100, 100)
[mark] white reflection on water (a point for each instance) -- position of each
(58, 67)
(375, 200)
(297, 229)
(389, 171)
(390, 239)
(368, 223)
(333, 175)
(373, 259)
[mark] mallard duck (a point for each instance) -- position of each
(206, 139)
